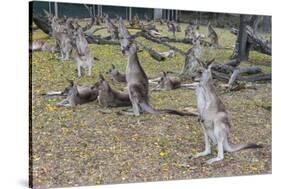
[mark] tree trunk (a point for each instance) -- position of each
(241, 49)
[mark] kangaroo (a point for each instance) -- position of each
(137, 81)
(111, 28)
(189, 31)
(39, 45)
(170, 83)
(116, 75)
(65, 45)
(78, 95)
(191, 59)
(171, 27)
(80, 42)
(178, 28)
(109, 97)
(214, 118)
(212, 35)
(84, 61)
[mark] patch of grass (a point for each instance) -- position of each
(78, 146)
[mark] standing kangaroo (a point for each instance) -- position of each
(109, 97)
(80, 41)
(137, 81)
(84, 61)
(214, 118)
(171, 27)
(212, 35)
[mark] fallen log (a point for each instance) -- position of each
(252, 78)
(258, 44)
(150, 38)
(42, 23)
(154, 54)
(237, 72)
(101, 41)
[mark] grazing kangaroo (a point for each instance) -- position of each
(137, 81)
(214, 118)
(84, 61)
(116, 75)
(109, 97)
(212, 35)
(78, 95)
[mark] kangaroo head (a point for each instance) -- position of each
(71, 89)
(101, 84)
(112, 70)
(204, 72)
(163, 79)
(124, 37)
(207, 72)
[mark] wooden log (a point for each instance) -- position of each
(154, 54)
(252, 78)
(153, 39)
(42, 23)
(101, 41)
(258, 44)
(237, 72)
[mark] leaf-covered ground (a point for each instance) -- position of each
(83, 146)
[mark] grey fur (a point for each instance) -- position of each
(78, 95)
(116, 75)
(214, 119)
(110, 97)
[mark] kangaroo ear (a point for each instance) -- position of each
(113, 66)
(201, 63)
(164, 74)
(210, 63)
(71, 82)
(101, 77)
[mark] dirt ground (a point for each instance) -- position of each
(91, 145)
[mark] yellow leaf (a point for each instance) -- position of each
(163, 153)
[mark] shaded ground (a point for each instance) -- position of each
(83, 146)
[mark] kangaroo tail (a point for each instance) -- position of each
(176, 112)
(148, 108)
(53, 93)
(233, 148)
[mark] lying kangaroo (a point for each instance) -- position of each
(40, 45)
(84, 61)
(116, 75)
(137, 81)
(109, 97)
(170, 83)
(214, 118)
(78, 95)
